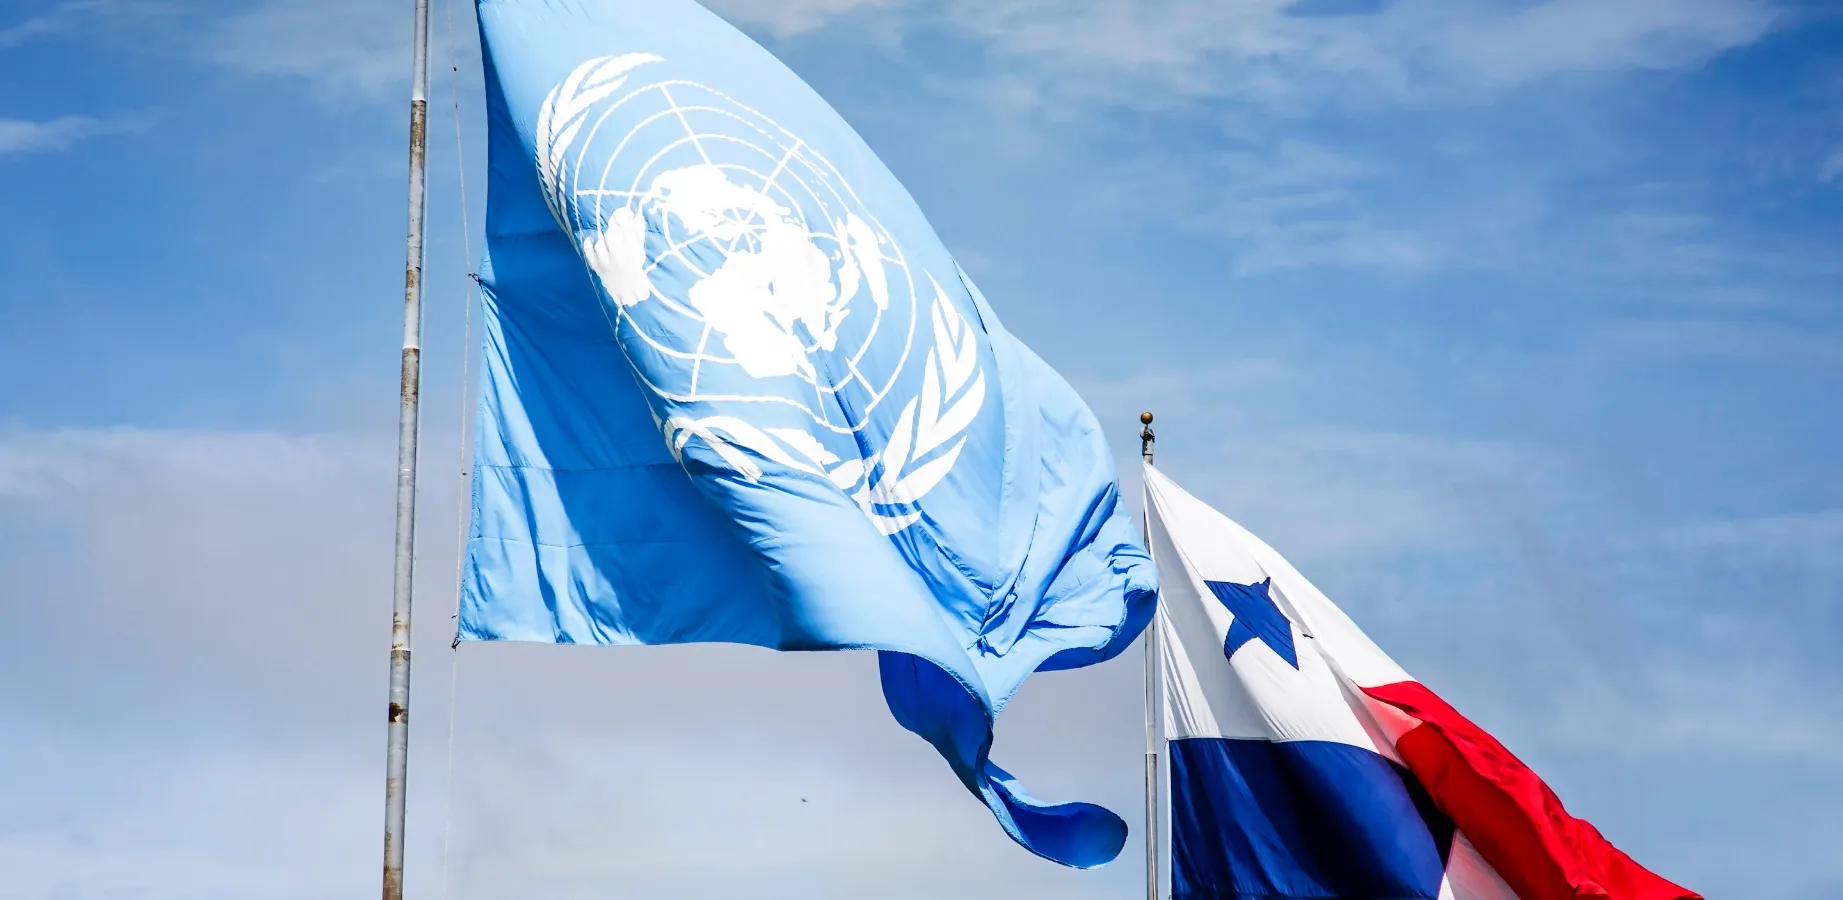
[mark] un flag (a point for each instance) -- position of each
(735, 389)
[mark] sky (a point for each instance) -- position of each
(1516, 324)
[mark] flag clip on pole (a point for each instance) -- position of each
(1152, 806)
(396, 767)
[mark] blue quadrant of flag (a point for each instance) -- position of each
(1291, 820)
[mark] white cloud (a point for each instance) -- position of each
(1510, 46)
(1296, 207)
(1677, 339)
(1804, 539)
(791, 17)
(1155, 52)
(342, 48)
(1279, 204)
(1343, 494)
(1673, 252)
(225, 545)
(1152, 52)
(66, 17)
(36, 27)
(1832, 167)
(1764, 708)
(1271, 132)
(218, 820)
(21, 136)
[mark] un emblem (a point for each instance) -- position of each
(759, 289)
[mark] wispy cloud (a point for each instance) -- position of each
(1346, 495)
(343, 49)
(1282, 185)
(1277, 204)
(1831, 168)
(1295, 205)
(791, 17)
(20, 136)
(1678, 339)
(1379, 139)
(52, 21)
(66, 17)
(1522, 44)
(35, 27)
(1801, 539)
(1279, 53)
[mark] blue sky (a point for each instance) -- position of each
(1518, 325)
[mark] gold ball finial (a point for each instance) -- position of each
(1145, 418)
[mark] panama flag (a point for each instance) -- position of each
(1306, 764)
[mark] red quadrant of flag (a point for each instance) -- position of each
(1512, 817)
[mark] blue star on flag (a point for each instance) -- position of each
(1256, 618)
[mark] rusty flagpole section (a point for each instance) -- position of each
(1153, 818)
(409, 413)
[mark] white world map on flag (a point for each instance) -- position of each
(738, 254)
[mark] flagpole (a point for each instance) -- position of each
(1152, 806)
(408, 414)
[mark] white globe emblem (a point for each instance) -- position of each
(738, 255)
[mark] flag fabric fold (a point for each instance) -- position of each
(1306, 764)
(735, 389)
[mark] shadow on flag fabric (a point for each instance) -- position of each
(1306, 764)
(735, 389)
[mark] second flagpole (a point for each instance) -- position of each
(1152, 810)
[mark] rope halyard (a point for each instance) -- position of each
(472, 295)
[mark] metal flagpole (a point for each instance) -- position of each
(397, 760)
(1152, 816)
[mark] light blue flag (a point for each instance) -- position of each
(736, 390)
